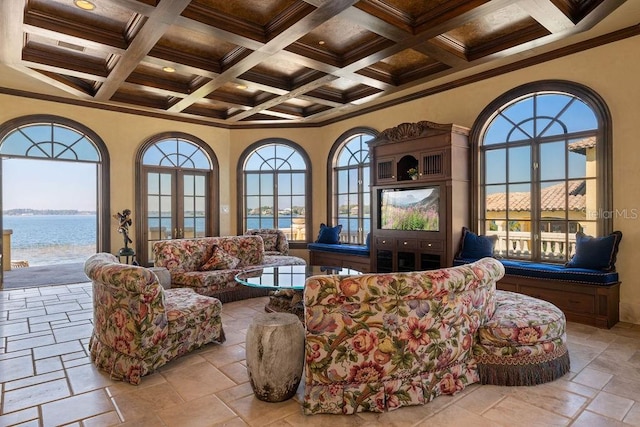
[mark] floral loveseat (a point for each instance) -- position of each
(209, 265)
(138, 326)
(376, 342)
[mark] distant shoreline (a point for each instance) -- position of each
(25, 212)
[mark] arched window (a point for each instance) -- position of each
(349, 178)
(276, 182)
(57, 139)
(178, 176)
(544, 170)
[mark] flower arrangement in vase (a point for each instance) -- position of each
(413, 173)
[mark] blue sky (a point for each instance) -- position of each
(46, 184)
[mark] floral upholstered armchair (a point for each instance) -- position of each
(376, 342)
(138, 326)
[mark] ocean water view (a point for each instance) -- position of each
(51, 239)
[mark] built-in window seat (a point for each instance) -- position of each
(340, 255)
(585, 296)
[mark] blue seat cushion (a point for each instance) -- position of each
(552, 271)
(360, 250)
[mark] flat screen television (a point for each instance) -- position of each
(415, 209)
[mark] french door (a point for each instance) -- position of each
(175, 207)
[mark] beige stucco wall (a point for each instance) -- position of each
(609, 70)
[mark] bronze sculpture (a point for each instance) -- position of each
(125, 221)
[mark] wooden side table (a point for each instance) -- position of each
(128, 254)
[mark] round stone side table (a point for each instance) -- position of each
(275, 355)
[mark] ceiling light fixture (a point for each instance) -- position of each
(168, 69)
(321, 42)
(241, 86)
(84, 4)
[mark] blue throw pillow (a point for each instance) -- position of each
(473, 246)
(330, 235)
(596, 253)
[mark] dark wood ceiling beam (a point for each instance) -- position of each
(314, 19)
(218, 33)
(280, 99)
(547, 14)
(279, 42)
(374, 24)
(317, 100)
(152, 61)
(67, 25)
(135, 6)
(63, 71)
(78, 41)
(431, 32)
(137, 87)
(11, 39)
(330, 69)
(261, 87)
(599, 13)
(229, 75)
(432, 49)
(282, 114)
(155, 27)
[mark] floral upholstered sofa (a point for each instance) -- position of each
(377, 342)
(138, 326)
(209, 265)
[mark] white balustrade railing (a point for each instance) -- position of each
(553, 245)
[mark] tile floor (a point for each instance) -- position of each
(47, 379)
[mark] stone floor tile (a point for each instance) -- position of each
(593, 378)
(221, 355)
(591, 419)
(8, 329)
(137, 403)
(197, 380)
(36, 379)
(633, 416)
(480, 402)
(107, 419)
(547, 397)
(610, 405)
(511, 411)
(37, 339)
(236, 371)
(204, 411)
(17, 367)
(19, 417)
(48, 365)
(73, 332)
(87, 378)
(57, 349)
(258, 413)
(75, 408)
(38, 394)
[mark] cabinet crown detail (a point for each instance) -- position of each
(406, 131)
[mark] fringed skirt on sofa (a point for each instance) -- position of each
(524, 343)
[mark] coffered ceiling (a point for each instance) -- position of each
(272, 62)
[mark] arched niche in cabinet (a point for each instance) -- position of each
(405, 166)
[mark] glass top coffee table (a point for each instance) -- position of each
(287, 283)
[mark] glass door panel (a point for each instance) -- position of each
(159, 215)
(194, 201)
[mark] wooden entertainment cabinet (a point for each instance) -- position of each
(440, 154)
